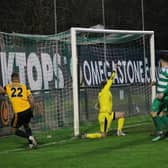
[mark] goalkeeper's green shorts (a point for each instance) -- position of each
(159, 106)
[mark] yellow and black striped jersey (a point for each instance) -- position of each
(18, 95)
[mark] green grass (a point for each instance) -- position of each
(136, 150)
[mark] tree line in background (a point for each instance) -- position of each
(37, 16)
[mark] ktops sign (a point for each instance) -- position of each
(38, 71)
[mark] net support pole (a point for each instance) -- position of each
(152, 57)
(75, 82)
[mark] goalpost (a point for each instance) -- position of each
(111, 45)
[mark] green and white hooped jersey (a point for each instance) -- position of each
(162, 83)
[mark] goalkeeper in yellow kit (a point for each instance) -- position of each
(106, 115)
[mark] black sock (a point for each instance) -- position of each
(21, 133)
(28, 132)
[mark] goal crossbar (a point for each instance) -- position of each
(143, 32)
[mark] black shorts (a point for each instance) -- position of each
(21, 118)
(114, 117)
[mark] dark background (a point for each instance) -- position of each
(37, 16)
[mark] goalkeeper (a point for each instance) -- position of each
(160, 103)
(106, 115)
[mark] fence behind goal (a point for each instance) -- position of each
(45, 65)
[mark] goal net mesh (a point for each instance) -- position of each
(44, 65)
(97, 55)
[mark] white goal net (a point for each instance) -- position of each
(94, 54)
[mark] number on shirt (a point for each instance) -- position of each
(14, 94)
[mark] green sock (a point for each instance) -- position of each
(164, 120)
(158, 123)
(154, 121)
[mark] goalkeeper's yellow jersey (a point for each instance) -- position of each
(105, 96)
(18, 96)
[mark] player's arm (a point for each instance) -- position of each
(112, 77)
(2, 90)
(31, 101)
(97, 106)
(30, 98)
(165, 92)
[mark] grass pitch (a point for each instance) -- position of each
(136, 150)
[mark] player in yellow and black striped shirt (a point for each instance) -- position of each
(22, 103)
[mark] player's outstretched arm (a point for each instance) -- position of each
(31, 101)
(2, 90)
(165, 93)
(112, 77)
(114, 72)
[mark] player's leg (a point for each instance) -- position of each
(110, 120)
(166, 114)
(156, 110)
(103, 122)
(158, 118)
(164, 117)
(157, 121)
(93, 135)
(28, 114)
(32, 141)
(120, 119)
(15, 124)
(160, 134)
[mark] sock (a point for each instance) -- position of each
(21, 133)
(94, 135)
(158, 123)
(120, 124)
(154, 122)
(164, 119)
(28, 132)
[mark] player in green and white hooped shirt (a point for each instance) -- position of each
(160, 103)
